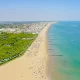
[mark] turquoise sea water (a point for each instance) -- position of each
(64, 50)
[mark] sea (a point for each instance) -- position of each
(64, 50)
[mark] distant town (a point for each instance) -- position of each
(23, 27)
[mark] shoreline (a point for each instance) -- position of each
(33, 64)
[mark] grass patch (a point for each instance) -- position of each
(14, 45)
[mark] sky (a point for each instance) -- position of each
(39, 10)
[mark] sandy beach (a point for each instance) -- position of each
(32, 65)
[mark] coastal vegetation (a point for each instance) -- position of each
(14, 45)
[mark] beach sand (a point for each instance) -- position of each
(32, 65)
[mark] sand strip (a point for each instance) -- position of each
(32, 65)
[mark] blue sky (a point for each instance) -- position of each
(39, 10)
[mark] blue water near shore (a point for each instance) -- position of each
(64, 50)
